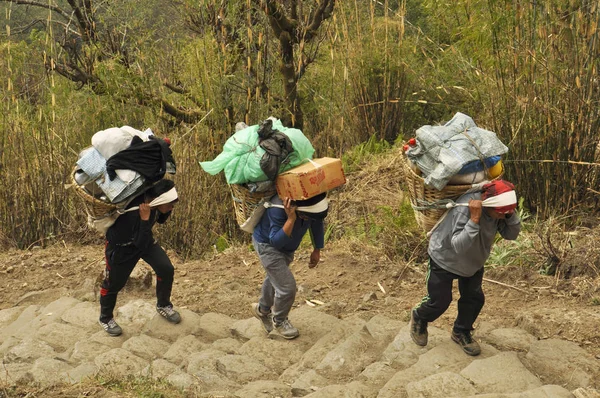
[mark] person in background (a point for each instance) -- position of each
(458, 249)
(276, 238)
(130, 239)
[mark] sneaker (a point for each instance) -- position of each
(418, 330)
(169, 314)
(466, 342)
(111, 327)
(265, 319)
(286, 330)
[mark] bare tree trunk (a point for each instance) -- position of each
(295, 116)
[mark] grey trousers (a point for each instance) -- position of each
(279, 287)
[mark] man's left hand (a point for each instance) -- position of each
(315, 257)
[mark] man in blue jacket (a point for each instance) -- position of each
(276, 237)
(458, 249)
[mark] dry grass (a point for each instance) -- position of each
(373, 209)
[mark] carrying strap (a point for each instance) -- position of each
(316, 208)
(165, 198)
(479, 154)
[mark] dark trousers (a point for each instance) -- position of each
(439, 297)
(120, 262)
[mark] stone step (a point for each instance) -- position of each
(214, 354)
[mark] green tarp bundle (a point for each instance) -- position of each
(240, 158)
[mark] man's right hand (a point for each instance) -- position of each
(145, 211)
(290, 209)
(475, 209)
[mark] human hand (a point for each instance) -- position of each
(145, 211)
(315, 257)
(475, 209)
(290, 209)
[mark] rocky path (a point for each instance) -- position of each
(213, 355)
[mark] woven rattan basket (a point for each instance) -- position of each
(418, 191)
(245, 202)
(93, 206)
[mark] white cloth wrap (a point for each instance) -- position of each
(504, 199)
(165, 198)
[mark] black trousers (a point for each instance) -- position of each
(120, 262)
(439, 297)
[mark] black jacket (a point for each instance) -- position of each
(129, 229)
(147, 158)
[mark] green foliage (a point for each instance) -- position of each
(363, 153)
(518, 252)
(511, 253)
(221, 244)
(380, 70)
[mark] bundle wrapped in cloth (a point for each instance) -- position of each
(458, 147)
(121, 163)
(444, 162)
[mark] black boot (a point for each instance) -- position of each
(466, 342)
(418, 329)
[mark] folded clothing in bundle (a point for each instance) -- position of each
(93, 165)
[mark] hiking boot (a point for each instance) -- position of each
(111, 327)
(418, 329)
(265, 319)
(169, 314)
(466, 342)
(286, 330)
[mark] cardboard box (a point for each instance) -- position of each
(310, 179)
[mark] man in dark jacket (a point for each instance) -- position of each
(458, 249)
(130, 239)
(276, 238)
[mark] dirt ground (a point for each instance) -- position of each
(351, 278)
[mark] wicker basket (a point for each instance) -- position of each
(94, 207)
(245, 202)
(418, 191)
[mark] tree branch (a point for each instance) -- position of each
(278, 20)
(34, 3)
(322, 12)
(184, 116)
(85, 25)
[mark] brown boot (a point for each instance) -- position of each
(418, 329)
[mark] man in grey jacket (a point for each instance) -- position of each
(458, 249)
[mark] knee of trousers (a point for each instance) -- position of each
(443, 301)
(166, 272)
(481, 298)
(286, 291)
